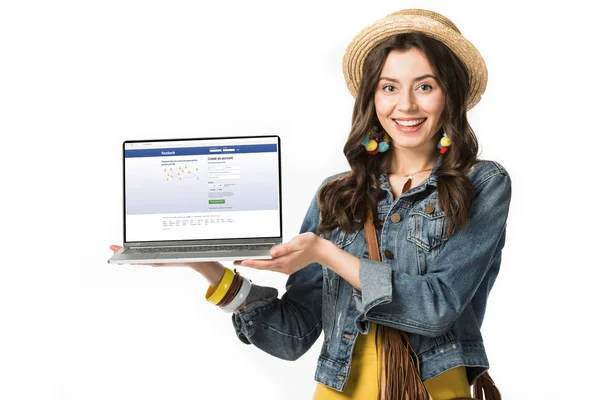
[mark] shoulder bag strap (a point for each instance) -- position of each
(484, 387)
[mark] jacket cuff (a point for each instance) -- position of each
(376, 284)
(259, 297)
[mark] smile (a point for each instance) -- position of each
(411, 122)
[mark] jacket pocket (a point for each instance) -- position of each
(427, 226)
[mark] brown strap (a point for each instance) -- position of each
(484, 385)
(484, 388)
(371, 235)
(400, 377)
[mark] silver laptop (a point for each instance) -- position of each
(206, 199)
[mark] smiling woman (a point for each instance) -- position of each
(408, 95)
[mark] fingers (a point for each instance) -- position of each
(276, 250)
(252, 263)
(297, 243)
(279, 264)
(257, 264)
(285, 248)
(176, 264)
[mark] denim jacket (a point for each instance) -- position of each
(432, 287)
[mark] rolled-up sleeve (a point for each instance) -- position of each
(429, 304)
(286, 328)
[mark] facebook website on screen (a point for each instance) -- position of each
(201, 189)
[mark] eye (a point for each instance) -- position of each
(388, 86)
(426, 86)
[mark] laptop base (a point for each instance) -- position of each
(163, 258)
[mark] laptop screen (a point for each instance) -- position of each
(190, 189)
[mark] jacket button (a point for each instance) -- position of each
(389, 254)
(396, 217)
(429, 209)
(348, 336)
(340, 377)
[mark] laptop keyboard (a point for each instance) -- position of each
(187, 249)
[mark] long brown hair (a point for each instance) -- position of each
(344, 202)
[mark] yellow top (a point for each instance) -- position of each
(363, 382)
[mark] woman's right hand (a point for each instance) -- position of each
(213, 271)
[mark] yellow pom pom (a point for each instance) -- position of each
(372, 145)
(445, 142)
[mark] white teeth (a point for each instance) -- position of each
(412, 122)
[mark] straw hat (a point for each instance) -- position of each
(414, 20)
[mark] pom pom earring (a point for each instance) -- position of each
(375, 142)
(444, 143)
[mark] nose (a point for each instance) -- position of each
(406, 101)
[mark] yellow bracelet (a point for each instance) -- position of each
(213, 295)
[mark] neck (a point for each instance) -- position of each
(409, 161)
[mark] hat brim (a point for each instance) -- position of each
(394, 24)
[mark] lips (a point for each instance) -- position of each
(409, 125)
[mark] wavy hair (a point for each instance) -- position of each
(344, 202)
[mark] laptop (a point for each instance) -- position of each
(203, 199)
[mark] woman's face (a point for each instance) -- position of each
(409, 100)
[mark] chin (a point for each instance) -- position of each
(407, 142)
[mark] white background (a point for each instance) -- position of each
(77, 78)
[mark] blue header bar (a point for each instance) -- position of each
(208, 150)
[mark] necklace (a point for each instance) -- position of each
(410, 178)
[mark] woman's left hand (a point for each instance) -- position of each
(290, 257)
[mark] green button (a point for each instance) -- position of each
(220, 201)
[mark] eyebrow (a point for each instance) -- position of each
(414, 80)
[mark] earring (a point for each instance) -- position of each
(375, 142)
(444, 143)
